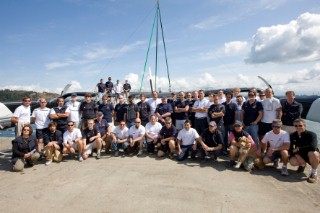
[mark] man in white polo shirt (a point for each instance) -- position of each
(74, 106)
(187, 138)
(200, 107)
(72, 140)
(40, 116)
(136, 136)
(21, 115)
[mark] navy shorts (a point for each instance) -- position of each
(40, 133)
(275, 155)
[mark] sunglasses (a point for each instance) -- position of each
(236, 126)
(276, 127)
(298, 125)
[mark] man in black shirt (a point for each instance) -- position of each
(144, 110)
(304, 149)
(291, 110)
(211, 142)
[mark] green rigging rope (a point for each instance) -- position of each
(156, 63)
(165, 50)
(145, 64)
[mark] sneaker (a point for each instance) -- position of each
(284, 171)
(98, 155)
(116, 153)
(276, 163)
(80, 158)
(139, 153)
(171, 155)
(48, 162)
(237, 166)
(312, 178)
(301, 169)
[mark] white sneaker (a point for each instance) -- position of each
(237, 166)
(284, 171)
(80, 158)
(139, 153)
(48, 162)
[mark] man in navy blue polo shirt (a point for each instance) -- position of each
(167, 135)
(216, 112)
(107, 109)
(87, 110)
(228, 118)
(119, 111)
(105, 131)
(181, 109)
(101, 87)
(163, 110)
(251, 115)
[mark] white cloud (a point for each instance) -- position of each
(91, 54)
(297, 41)
(235, 47)
(32, 87)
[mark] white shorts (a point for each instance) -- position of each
(91, 146)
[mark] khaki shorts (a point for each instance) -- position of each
(91, 146)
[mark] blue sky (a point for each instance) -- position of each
(45, 44)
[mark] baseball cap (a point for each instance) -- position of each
(239, 123)
(100, 113)
(163, 97)
(212, 123)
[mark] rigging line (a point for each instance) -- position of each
(156, 63)
(145, 64)
(165, 50)
(127, 39)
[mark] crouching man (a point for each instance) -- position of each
(91, 139)
(72, 141)
(53, 140)
(186, 141)
(211, 142)
(241, 144)
(120, 137)
(279, 145)
(136, 136)
(304, 149)
(152, 134)
(167, 137)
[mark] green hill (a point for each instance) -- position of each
(17, 95)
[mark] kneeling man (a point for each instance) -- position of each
(91, 138)
(279, 145)
(304, 149)
(72, 141)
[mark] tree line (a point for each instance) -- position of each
(17, 95)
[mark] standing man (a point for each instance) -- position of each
(136, 136)
(119, 111)
(109, 88)
(74, 107)
(163, 110)
(304, 149)
(173, 101)
(186, 141)
(236, 93)
(144, 110)
(132, 112)
(200, 107)
(126, 89)
(153, 102)
(221, 96)
(228, 118)
(40, 116)
(21, 115)
(251, 114)
(216, 113)
(279, 142)
(107, 109)
(291, 110)
(60, 115)
(181, 111)
(88, 110)
(118, 89)
(191, 103)
(272, 110)
(101, 87)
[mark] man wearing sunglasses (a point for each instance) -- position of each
(136, 136)
(304, 149)
(279, 145)
(21, 115)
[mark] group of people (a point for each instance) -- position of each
(109, 88)
(252, 132)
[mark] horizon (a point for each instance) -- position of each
(210, 43)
